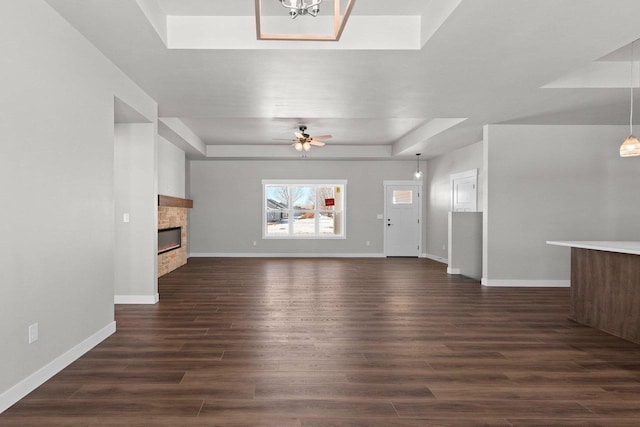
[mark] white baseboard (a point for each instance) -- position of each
(453, 270)
(35, 380)
(527, 283)
(284, 255)
(136, 299)
(435, 258)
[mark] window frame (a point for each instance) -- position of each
(316, 183)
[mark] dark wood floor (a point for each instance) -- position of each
(342, 342)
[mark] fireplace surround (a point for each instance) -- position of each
(172, 217)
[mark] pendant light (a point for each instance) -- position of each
(417, 174)
(631, 146)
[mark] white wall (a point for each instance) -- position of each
(171, 169)
(227, 213)
(57, 216)
(135, 194)
(438, 194)
(553, 183)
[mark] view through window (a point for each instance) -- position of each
(304, 209)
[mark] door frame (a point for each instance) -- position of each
(413, 183)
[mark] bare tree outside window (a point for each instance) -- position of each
(301, 210)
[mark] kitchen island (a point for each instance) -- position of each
(605, 286)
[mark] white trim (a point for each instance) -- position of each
(435, 258)
(472, 173)
(285, 255)
(304, 181)
(136, 299)
(453, 270)
(403, 182)
(35, 380)
(527, 283)
(304, 237)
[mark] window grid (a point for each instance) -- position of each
(304, 209)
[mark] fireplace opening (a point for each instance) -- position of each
(169, 239)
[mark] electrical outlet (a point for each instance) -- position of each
(33, 333)
(255, 243)
(444, 246)
(125, 217)
(368, 243)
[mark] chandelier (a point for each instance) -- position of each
(281, 28)
(301, 7)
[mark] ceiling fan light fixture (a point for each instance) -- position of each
(303, 141)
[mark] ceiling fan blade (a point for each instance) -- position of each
(288, 140)
(319, 137)
(299, 135)
(317, 143)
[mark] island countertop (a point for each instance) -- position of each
(623, 247)
(605, 279)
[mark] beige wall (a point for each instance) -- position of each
(171, 169)
(57, 133)
(553, 183)
(135, 194)
(438, 194)
(227, 213)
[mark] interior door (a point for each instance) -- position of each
(402, 220)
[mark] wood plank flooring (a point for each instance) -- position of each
(342, 343)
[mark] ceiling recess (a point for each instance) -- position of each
(332, 33)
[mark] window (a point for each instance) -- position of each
(304, 209)
(402, 197)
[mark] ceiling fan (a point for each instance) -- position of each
(304, 141)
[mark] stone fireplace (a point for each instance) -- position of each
(172, 233)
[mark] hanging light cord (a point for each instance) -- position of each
(631, 114)
(632, 83)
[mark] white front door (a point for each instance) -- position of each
(402, 219)
(464, 191)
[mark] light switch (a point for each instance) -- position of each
(33, 333)
(379, 216)
(125, 217)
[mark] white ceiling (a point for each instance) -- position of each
(486, 63)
